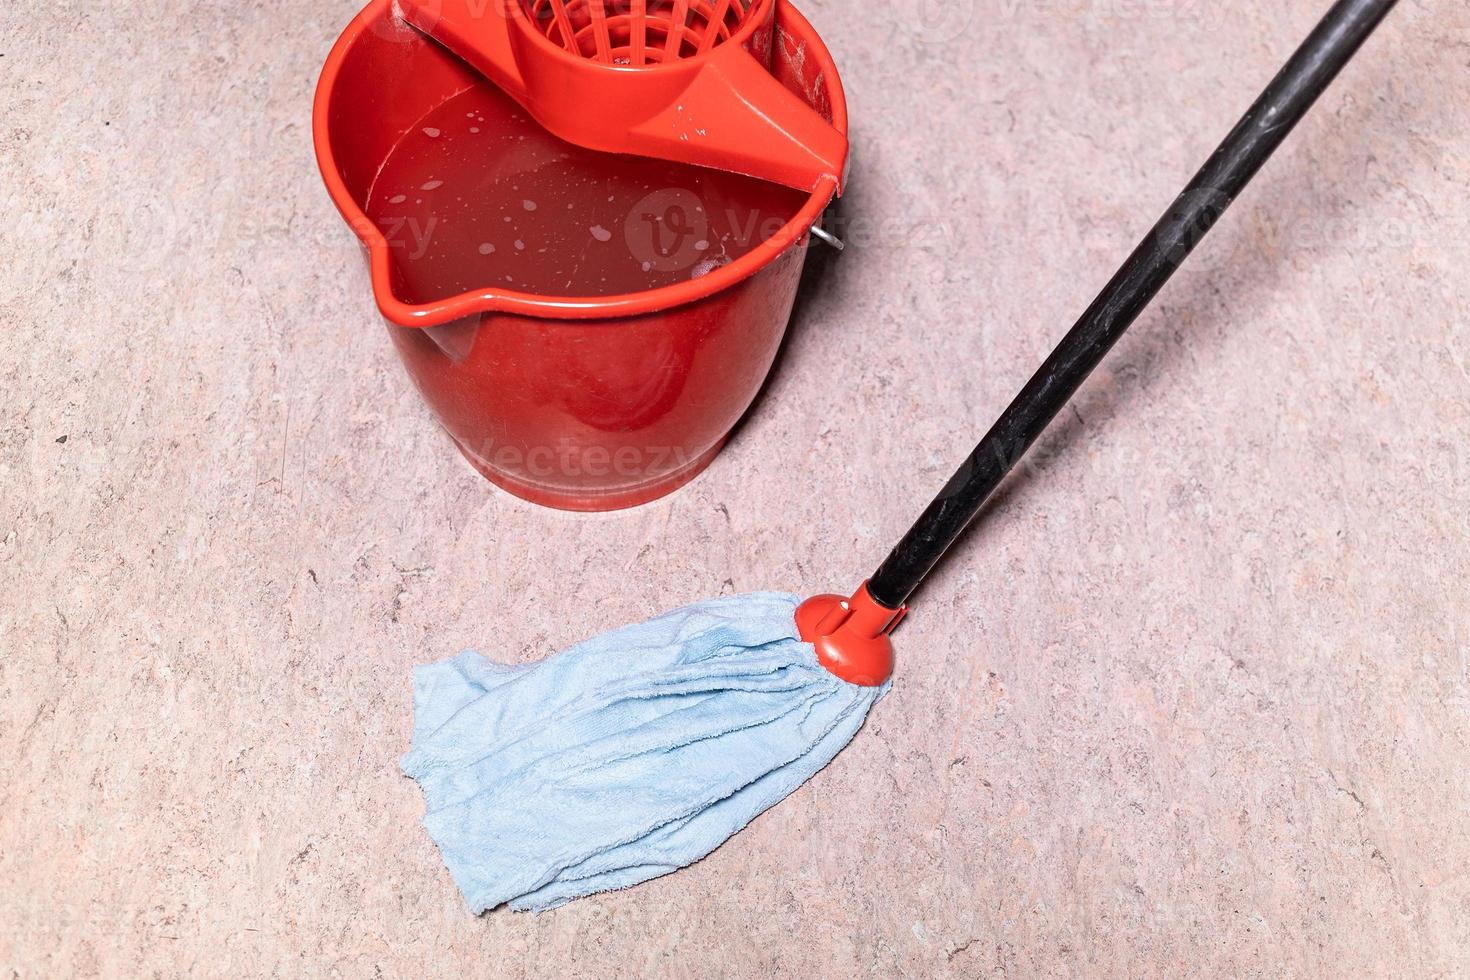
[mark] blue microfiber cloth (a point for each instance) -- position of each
(625, 757)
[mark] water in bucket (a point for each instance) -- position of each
(478, 195)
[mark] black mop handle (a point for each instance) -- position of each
(1286, 100)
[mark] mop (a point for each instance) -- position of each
(639, 752)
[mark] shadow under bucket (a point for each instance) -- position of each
(588, 403)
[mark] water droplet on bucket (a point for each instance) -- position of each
(430, 185)
(520, 245)
(397, 198)
(601, 234)
(486, 248)
(704, 268)
(431, 132)
(529, 205)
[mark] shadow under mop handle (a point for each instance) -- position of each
(1286, 100)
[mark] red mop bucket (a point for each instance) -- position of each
(588, 404)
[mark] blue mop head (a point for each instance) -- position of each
(625, 757)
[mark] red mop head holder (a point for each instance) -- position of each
(851, 635)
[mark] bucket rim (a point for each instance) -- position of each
(494, 300)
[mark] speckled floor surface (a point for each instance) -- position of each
(1194, 697)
